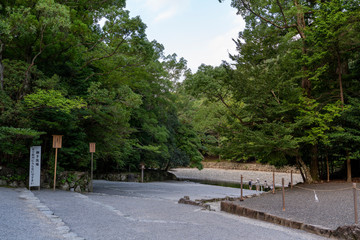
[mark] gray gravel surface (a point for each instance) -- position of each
(233, 176)
(118, 210)
(334, 208)
(21, 220)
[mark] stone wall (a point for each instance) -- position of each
(150, 175)
(67, 180)
(249, 166)
(73, 181)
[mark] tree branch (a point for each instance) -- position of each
(110, 71)
(229, 108)
(263, 18)
(282, 12)
(106, 56)
(276, 98)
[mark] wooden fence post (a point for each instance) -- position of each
(283, 193)
(273, 181)
(241, 196)
(355, 203)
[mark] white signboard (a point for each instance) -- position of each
(35, 166)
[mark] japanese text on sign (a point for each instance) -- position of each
(35, 166)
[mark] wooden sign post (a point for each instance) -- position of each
(92, 150)
(142, 166)
(57, 140)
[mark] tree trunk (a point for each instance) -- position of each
(327, 168)
(1, 67)
(348, 167)
(304, 169)
(339, 72)
(219, 145)
(314, 164)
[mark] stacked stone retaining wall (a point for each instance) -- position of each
(249, 167)
(150, 175)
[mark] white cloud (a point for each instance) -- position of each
(165, 9)
(158, 5)
(169, 13)
(219, 47)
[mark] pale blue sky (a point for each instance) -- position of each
(201, 31)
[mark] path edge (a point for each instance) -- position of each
(236, 209)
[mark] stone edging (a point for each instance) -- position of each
(203, 202)
(61, 227)
(236, 209)
(249, 166)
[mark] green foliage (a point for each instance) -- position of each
(65, 74)
(14, 142)
(52, 99)
(286, 95)
(316, 122)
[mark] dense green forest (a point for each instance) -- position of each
(63, 73)
(289, 96)
(291, 93)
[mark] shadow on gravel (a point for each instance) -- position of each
(325, 209)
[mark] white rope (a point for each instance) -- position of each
(320, 190)
(316, 198)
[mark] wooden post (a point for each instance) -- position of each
(57, 141)
(291, 176)
(92, 150)
(355, 203)
(283, 193)
(55, 169)
(241, 196)
(142, 165)
(327, 168)
(348, 167)
(142, 175)
(91, 174)
(273, 181)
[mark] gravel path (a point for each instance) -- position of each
(334, 208)
(233, 176)
(21, 220)
(137, 211)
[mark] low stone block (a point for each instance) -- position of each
(261, 216)
(239, 210)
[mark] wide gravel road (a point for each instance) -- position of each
(119, 210)
(233, 176)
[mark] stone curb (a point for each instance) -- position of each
(203, 202)
(236, 209)
(186, 200)
(60, 226)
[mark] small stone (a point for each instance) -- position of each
(13, 184)
(78, 189)
(48, 212)
(63, 229)
(65, 186)
(70, 235)
(3, 182)
(22, 184)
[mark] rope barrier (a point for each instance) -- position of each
(322, 190)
